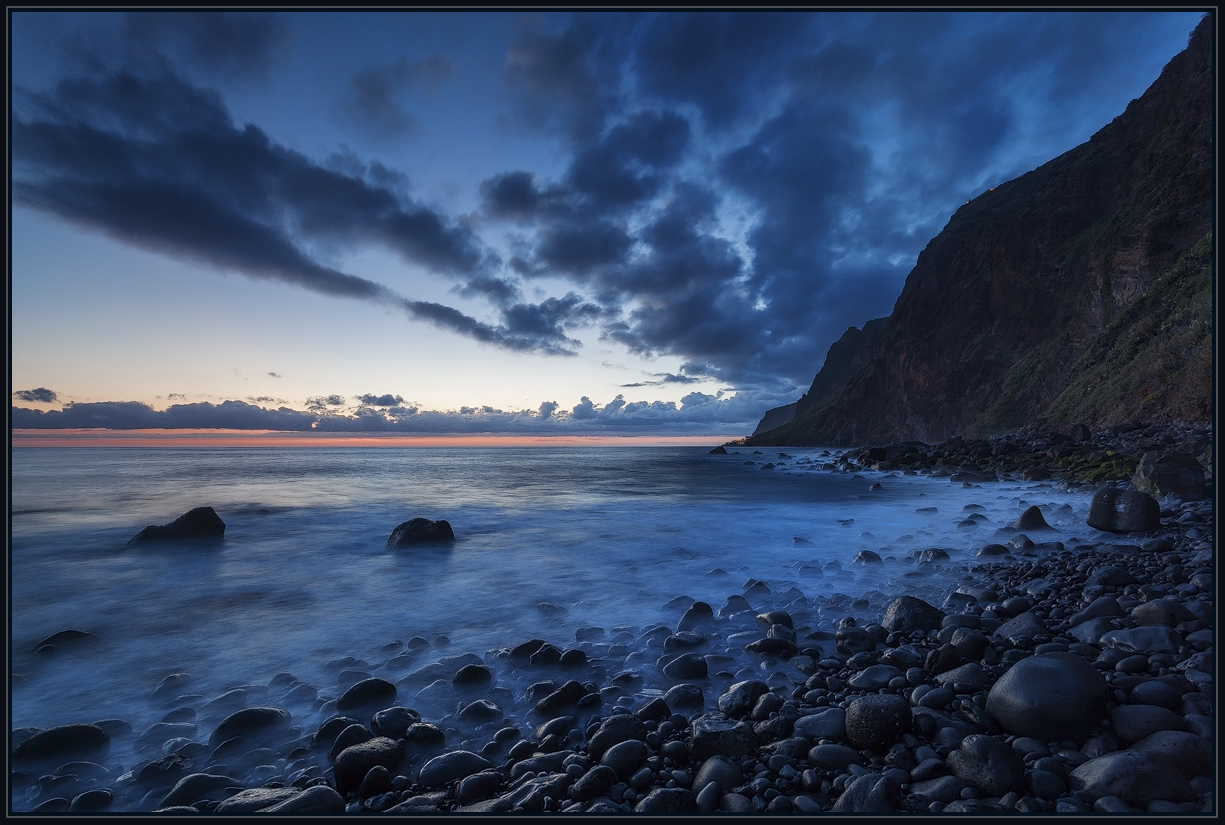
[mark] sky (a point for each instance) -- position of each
(533, 224)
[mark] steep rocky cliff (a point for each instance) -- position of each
(1080, 291)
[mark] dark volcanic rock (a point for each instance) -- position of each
(255, 724)
(1049, 697)
(908, 614)
(1160, 474)
(877, 720)
(420, 531)
(353, 763)
(1124, 511)
(1133, 776)
(200, 523)
(989, 764)
(368, 694)
(65, 743)
(1031, 519)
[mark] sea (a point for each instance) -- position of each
(548, 541)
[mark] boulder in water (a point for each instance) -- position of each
(200, 523)
(420, 531)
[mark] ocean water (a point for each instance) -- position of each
(548, 540)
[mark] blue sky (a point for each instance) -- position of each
(505, 222)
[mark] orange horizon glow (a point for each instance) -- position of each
(274, 438)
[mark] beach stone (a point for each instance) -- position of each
(970, 643)
(1168, 612)
(1090, 632)
(873, 677)
(197, 786)
(1132, 723)
(1110, 576)
(394, 722)
(696, 614)
(369, 694)
(684, 695)
(784, 648)
(256, 724)
(594, 783)
(993, 550)
(618, 728)
(317, 799)
(1024, 626)
(1133, 776)
(907, 614)
(720, 770)
(872, 793)
(1123, 511)
(714, 733)
(867, 557)
(566, 696)
(1190, 754)
(833, 757)
(420, 531)
(656, 709)
(354, 762)
(480, 710)
(876, 721)
(734, 604)
(988, 764)
(1049, 697)
(171, 686)
(686, 666)
(1149, 639)
(739, 699)
(472, 676)
(1101, 607)
(1031, 519)
(197, 523)
(452, 765)
(1156, 692)
(159, 732)
(64, 743)
(625, 757)
(851, 640)
(1162, 474)
(668, 801)
(91, 801)
(971, 675)
(256, 799)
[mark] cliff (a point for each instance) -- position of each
(1078, 292)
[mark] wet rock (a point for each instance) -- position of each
(876, 721)
(667, 801)
(685, 695)
(394, 722)
(198, 523)
(256, 799)
(481, 710)
(317, 799)
(871, 793)
(686, 666)
(1168, 612)
(1031, 519)
(851, 640)
(988, 764)
(353, 763)
(1148, 640)
(1162, 474)
(1132, 723)
(907, 614)
(698, 613)
(625, 757)
(368, 694)
(65, 743)
(715, 733)
(867, 557)
(618, 728)
(1124, 511)
(456, 764)
(594, 783)
(738, 700)
(256, 724)
(1190, 754)
(566, 696)
(833, 757)
(1049, 697)
(1024, 626)
(1133, 776)
(720, 770)
(420, 531)
(65, 640)
(197, 786)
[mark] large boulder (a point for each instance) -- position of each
(1124, 511)
(200, 523)
(877, 720)
(1134, 776)
(1160, 474)
(1049, 697)
(257, 724)
(66, 743)
(420, 531)
(353, 763)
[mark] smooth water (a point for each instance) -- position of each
(548, 540)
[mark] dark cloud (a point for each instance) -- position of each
(665, 379)
(696, 413)
(322, 402)
(371, 95)
(266, 399)
(274, 375)
(157, 163)
(237, 45)
(387, 400)
(40, 395)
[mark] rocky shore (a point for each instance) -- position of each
(1052, 678)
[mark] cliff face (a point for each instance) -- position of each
(1080, 291)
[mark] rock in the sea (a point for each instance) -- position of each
(1049, 697)
(65, 743)
(908, 614)
(65, 639)
(685, 667)
(1031, 519)
(876, 721)
(369, 694)
(1161, 474)
(698, 613)
(200, 523)
(1123, 511)
(720, 450)
(256, 724)
(715, 733)
(353, 763)
(420, 531)
(197, 786)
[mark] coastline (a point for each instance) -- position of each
(775, 733)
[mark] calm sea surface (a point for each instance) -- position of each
(548, 540)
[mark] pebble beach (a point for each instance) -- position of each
(1050, 677)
